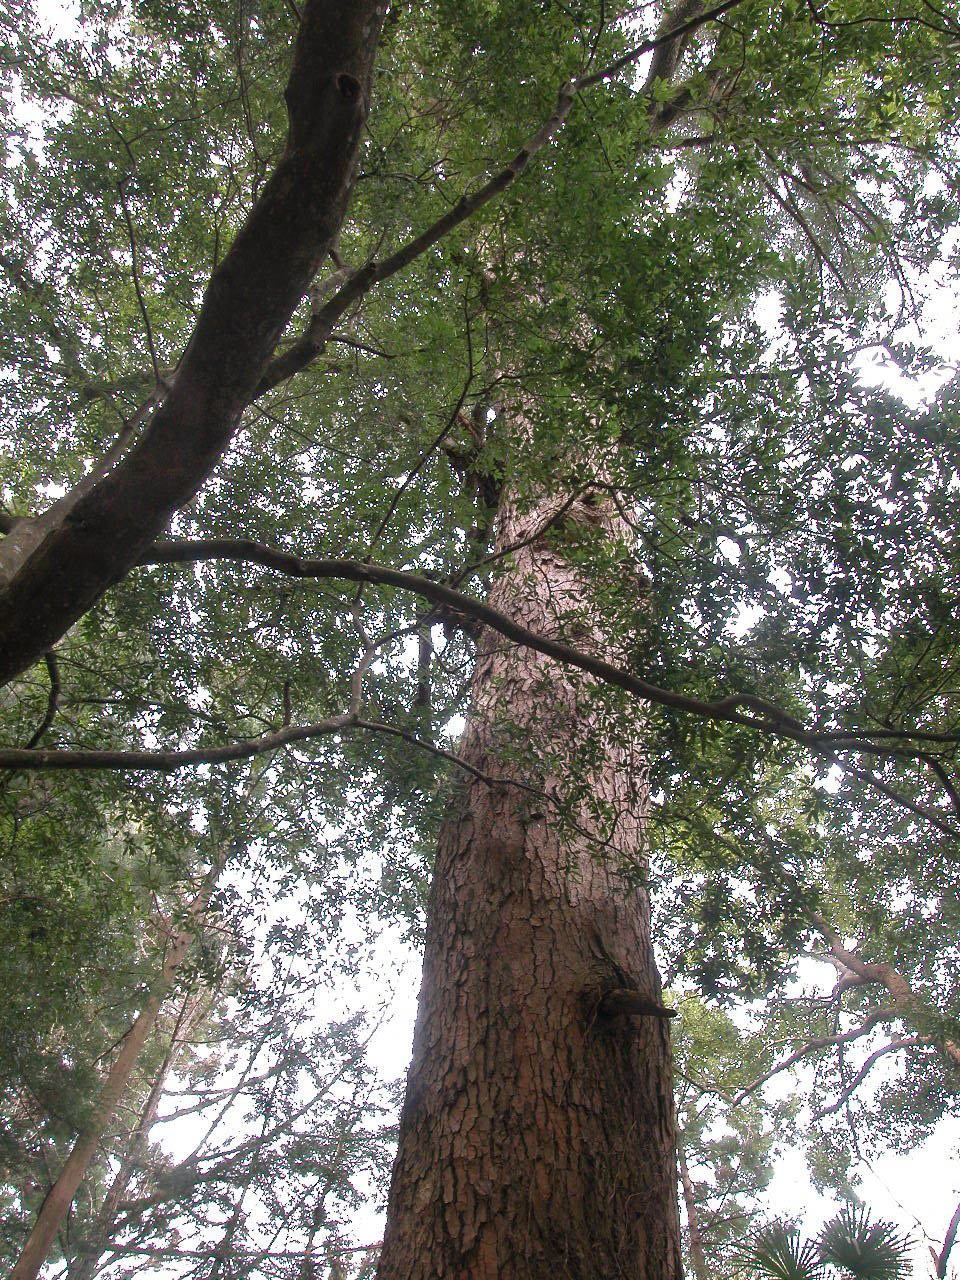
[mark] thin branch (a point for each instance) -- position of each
(733, 709)
(176, 1251)
(792, 211)
(171, 760)
(135, 268)
(365, 347)
(377, 726)
(431, 448)
(937, 768)
(544, 527)
(53, 699)
(168, 761)
(701, 1086)
(945, 30)
(891, 793)
(907, 1042)
(879, 1014)
(767, 716)
(491, 780)
(648, 46)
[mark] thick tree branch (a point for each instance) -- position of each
(52, 570)
(944, 779)
(866, 972)
(674, 28)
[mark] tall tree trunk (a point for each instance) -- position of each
(537, 1134)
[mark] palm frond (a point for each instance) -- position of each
(779, 1251)
(863, 1249)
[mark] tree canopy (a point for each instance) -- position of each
(259, 353)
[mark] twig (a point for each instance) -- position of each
(135, 267)
(53, 699)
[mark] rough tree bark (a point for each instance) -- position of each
(537, 1134)
(55, 567)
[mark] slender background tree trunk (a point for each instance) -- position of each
(57, 1204)
(698, 1259)
(537, 1135)
(60, 1197)
(88, 1256)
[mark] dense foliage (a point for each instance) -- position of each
(682, 288)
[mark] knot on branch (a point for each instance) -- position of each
(453, 620)
(325, 112)
(349, 87)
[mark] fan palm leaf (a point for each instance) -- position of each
(779, 1251)
(863, 1249)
